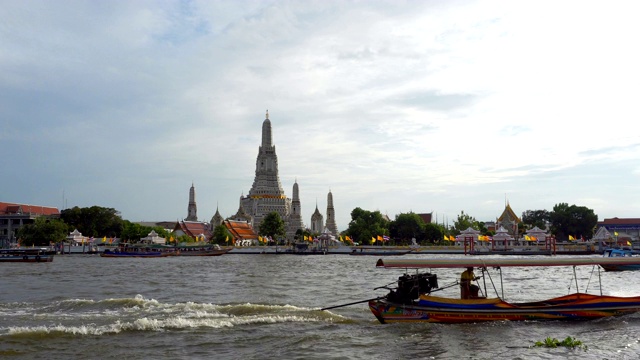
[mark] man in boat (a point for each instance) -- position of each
(467, 289)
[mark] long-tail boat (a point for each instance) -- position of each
(412, 299)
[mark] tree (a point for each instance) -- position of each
(533, 218)
(42, 232)
(94, 221)
(221, 235)
(407, 226)
(134, 232)
(464, 222)
(577, 221)
(365, 225)
(433, 232)
(272, 225)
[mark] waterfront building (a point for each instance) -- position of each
(76, 238)
(153, 238)
(192, 209)
(242, 232)
(13, 216)
(196, 230)
(623, 227)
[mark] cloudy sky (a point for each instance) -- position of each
(396, 106)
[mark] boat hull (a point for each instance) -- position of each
(124, 254)
(204, 252)
(27, 258)
(620, 267)
(444, 310)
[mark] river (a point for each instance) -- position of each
(267, 306)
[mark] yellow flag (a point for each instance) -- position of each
(445, 238)
(628, 242)
(571, 237)
(373, 240)
(227, 239)
(615, 233)
(104, 239)
(341, 238)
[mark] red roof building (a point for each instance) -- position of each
(14, 216)
(197, 230)
(241, 230)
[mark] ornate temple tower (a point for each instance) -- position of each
(216, 219)
(295, 218)
(192, 210)
(266, 194)
(331, 216)
(316, 222)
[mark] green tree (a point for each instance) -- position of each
(42, 232)
(407, 226)
(533, 218)
(463, 222)
(94, 221)
(133, 232)
(572, 220)
(366, 224)
(434, 232)
(221, 234)
(272, 225)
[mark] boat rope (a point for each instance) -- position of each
(586, 290)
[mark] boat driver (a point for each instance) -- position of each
(467, 289)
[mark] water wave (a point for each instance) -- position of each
(113, 316)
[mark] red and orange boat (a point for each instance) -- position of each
(412, 301)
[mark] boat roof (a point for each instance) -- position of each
(501, 262)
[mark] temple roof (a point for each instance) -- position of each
(508, 213)
(193, 228)
(241, 230)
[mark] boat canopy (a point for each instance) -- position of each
(499, 262)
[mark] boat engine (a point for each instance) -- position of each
(411, 286)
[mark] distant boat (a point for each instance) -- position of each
(25, 255)
(378, 251)
(618, 253)
(140, 251)
(202, 250)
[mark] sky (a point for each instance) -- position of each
(395, 106)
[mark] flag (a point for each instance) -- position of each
(628, 242)
(104, 239)
(341, 239)
(347, 237)
(571, 237)
(615, 233)
(306, 238)
(526, 238)
(379, 238)
(171, 238)
(373, 240)
(226, 239)
(452, 238)
(533, 238)
(446, 238)
(386, 238)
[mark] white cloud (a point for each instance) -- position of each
(393, 106)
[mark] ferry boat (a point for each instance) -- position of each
(25, 255)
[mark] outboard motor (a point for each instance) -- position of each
(411, 286)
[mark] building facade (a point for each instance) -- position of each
(14, 216)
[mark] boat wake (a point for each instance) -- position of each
(114, 316)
